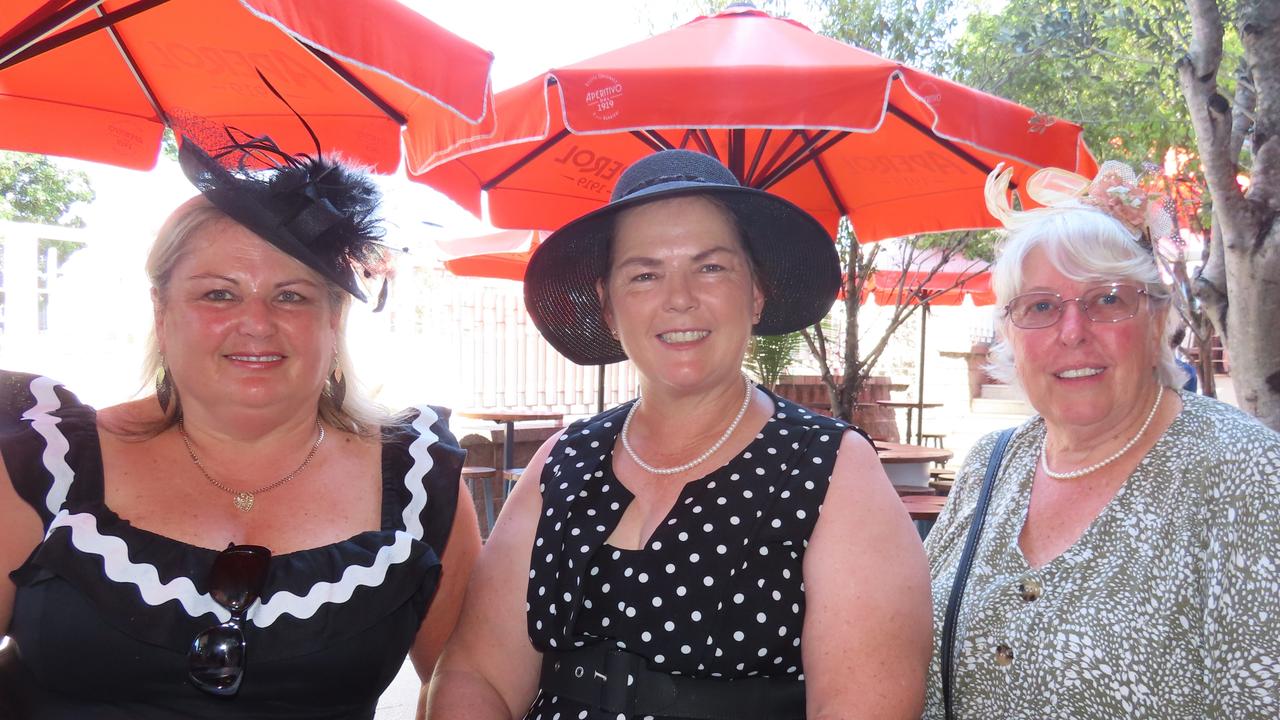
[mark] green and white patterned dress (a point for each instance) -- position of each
(1168, 606)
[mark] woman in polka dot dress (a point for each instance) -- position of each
(709, 550)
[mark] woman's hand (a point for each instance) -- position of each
(490, 669)
(868, 629)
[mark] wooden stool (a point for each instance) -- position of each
(941, 487)
(480, 474)
(906, 490)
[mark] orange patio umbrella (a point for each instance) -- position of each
(835, 129)
(926, 282)
(100, 79)
(503, 255)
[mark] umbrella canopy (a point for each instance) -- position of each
(927, 282)
(100, 79)
(837, 130)
(503, 255)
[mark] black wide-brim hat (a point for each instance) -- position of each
(794, 256)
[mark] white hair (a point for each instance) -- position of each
(1085, 245)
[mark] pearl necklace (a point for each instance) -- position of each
(1044, 457)
(626, 443)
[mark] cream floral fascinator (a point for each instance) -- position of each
(1116, 190)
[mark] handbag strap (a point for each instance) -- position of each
(966, 562)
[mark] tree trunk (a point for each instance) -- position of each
(1246, 223)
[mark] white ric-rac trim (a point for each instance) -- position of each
(115, 553)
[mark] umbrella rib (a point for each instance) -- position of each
(945, 143)
(356, 83)
(704, 138)
(136, 72)
(645, 138)
(794, 161)
(737, 152)
(773, 159)
(24, 49)
(826, 179)
(41, 21)
(755, 160)
(815, 156)
(532, 155)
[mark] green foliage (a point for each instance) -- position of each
(768, 356)
(33, 189)
(913, 32)
(1107, 64)
(972, 244)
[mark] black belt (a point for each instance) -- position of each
(618, 681)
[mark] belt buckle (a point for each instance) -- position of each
(617, 685)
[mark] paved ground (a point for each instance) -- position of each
(401, 699)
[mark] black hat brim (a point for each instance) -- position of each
(794, 255)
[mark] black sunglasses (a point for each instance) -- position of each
(215, 662)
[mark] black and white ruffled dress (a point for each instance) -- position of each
(105, 611)
(718, 589)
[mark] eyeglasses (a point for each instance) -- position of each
(215, 662)
(1108, 303)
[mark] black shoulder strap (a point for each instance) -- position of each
(966, 562)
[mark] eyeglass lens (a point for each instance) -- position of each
(1110, 303)
(216, 659)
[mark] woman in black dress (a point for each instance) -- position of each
(343, 520)
(709, 550)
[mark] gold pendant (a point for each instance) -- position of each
(244, 501)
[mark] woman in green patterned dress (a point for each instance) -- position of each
(1130, 559)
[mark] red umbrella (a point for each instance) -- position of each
(100, 79)
(503, 255)
(835, 129)
(926, 282)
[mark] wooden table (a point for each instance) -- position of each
(924, 510)
(911, 407)
(909, 464)
(509, 418)
(924, 507)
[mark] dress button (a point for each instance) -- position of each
(1004, 654)
(1030, 589)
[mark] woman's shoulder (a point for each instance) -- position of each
(1225, 445)
(25, 395)
(1222, 423)
(47, 436)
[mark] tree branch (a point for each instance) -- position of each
(1210, 114)
(1259, 28)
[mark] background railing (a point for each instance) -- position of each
(477, 338)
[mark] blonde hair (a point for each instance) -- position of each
(1086, 245)
(357, 413)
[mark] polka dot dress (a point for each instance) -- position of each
(718, 590)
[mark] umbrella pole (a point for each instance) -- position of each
(600, 391)
(924, 317)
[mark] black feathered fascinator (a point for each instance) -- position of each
(313, 208)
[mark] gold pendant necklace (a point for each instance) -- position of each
(244, 499)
